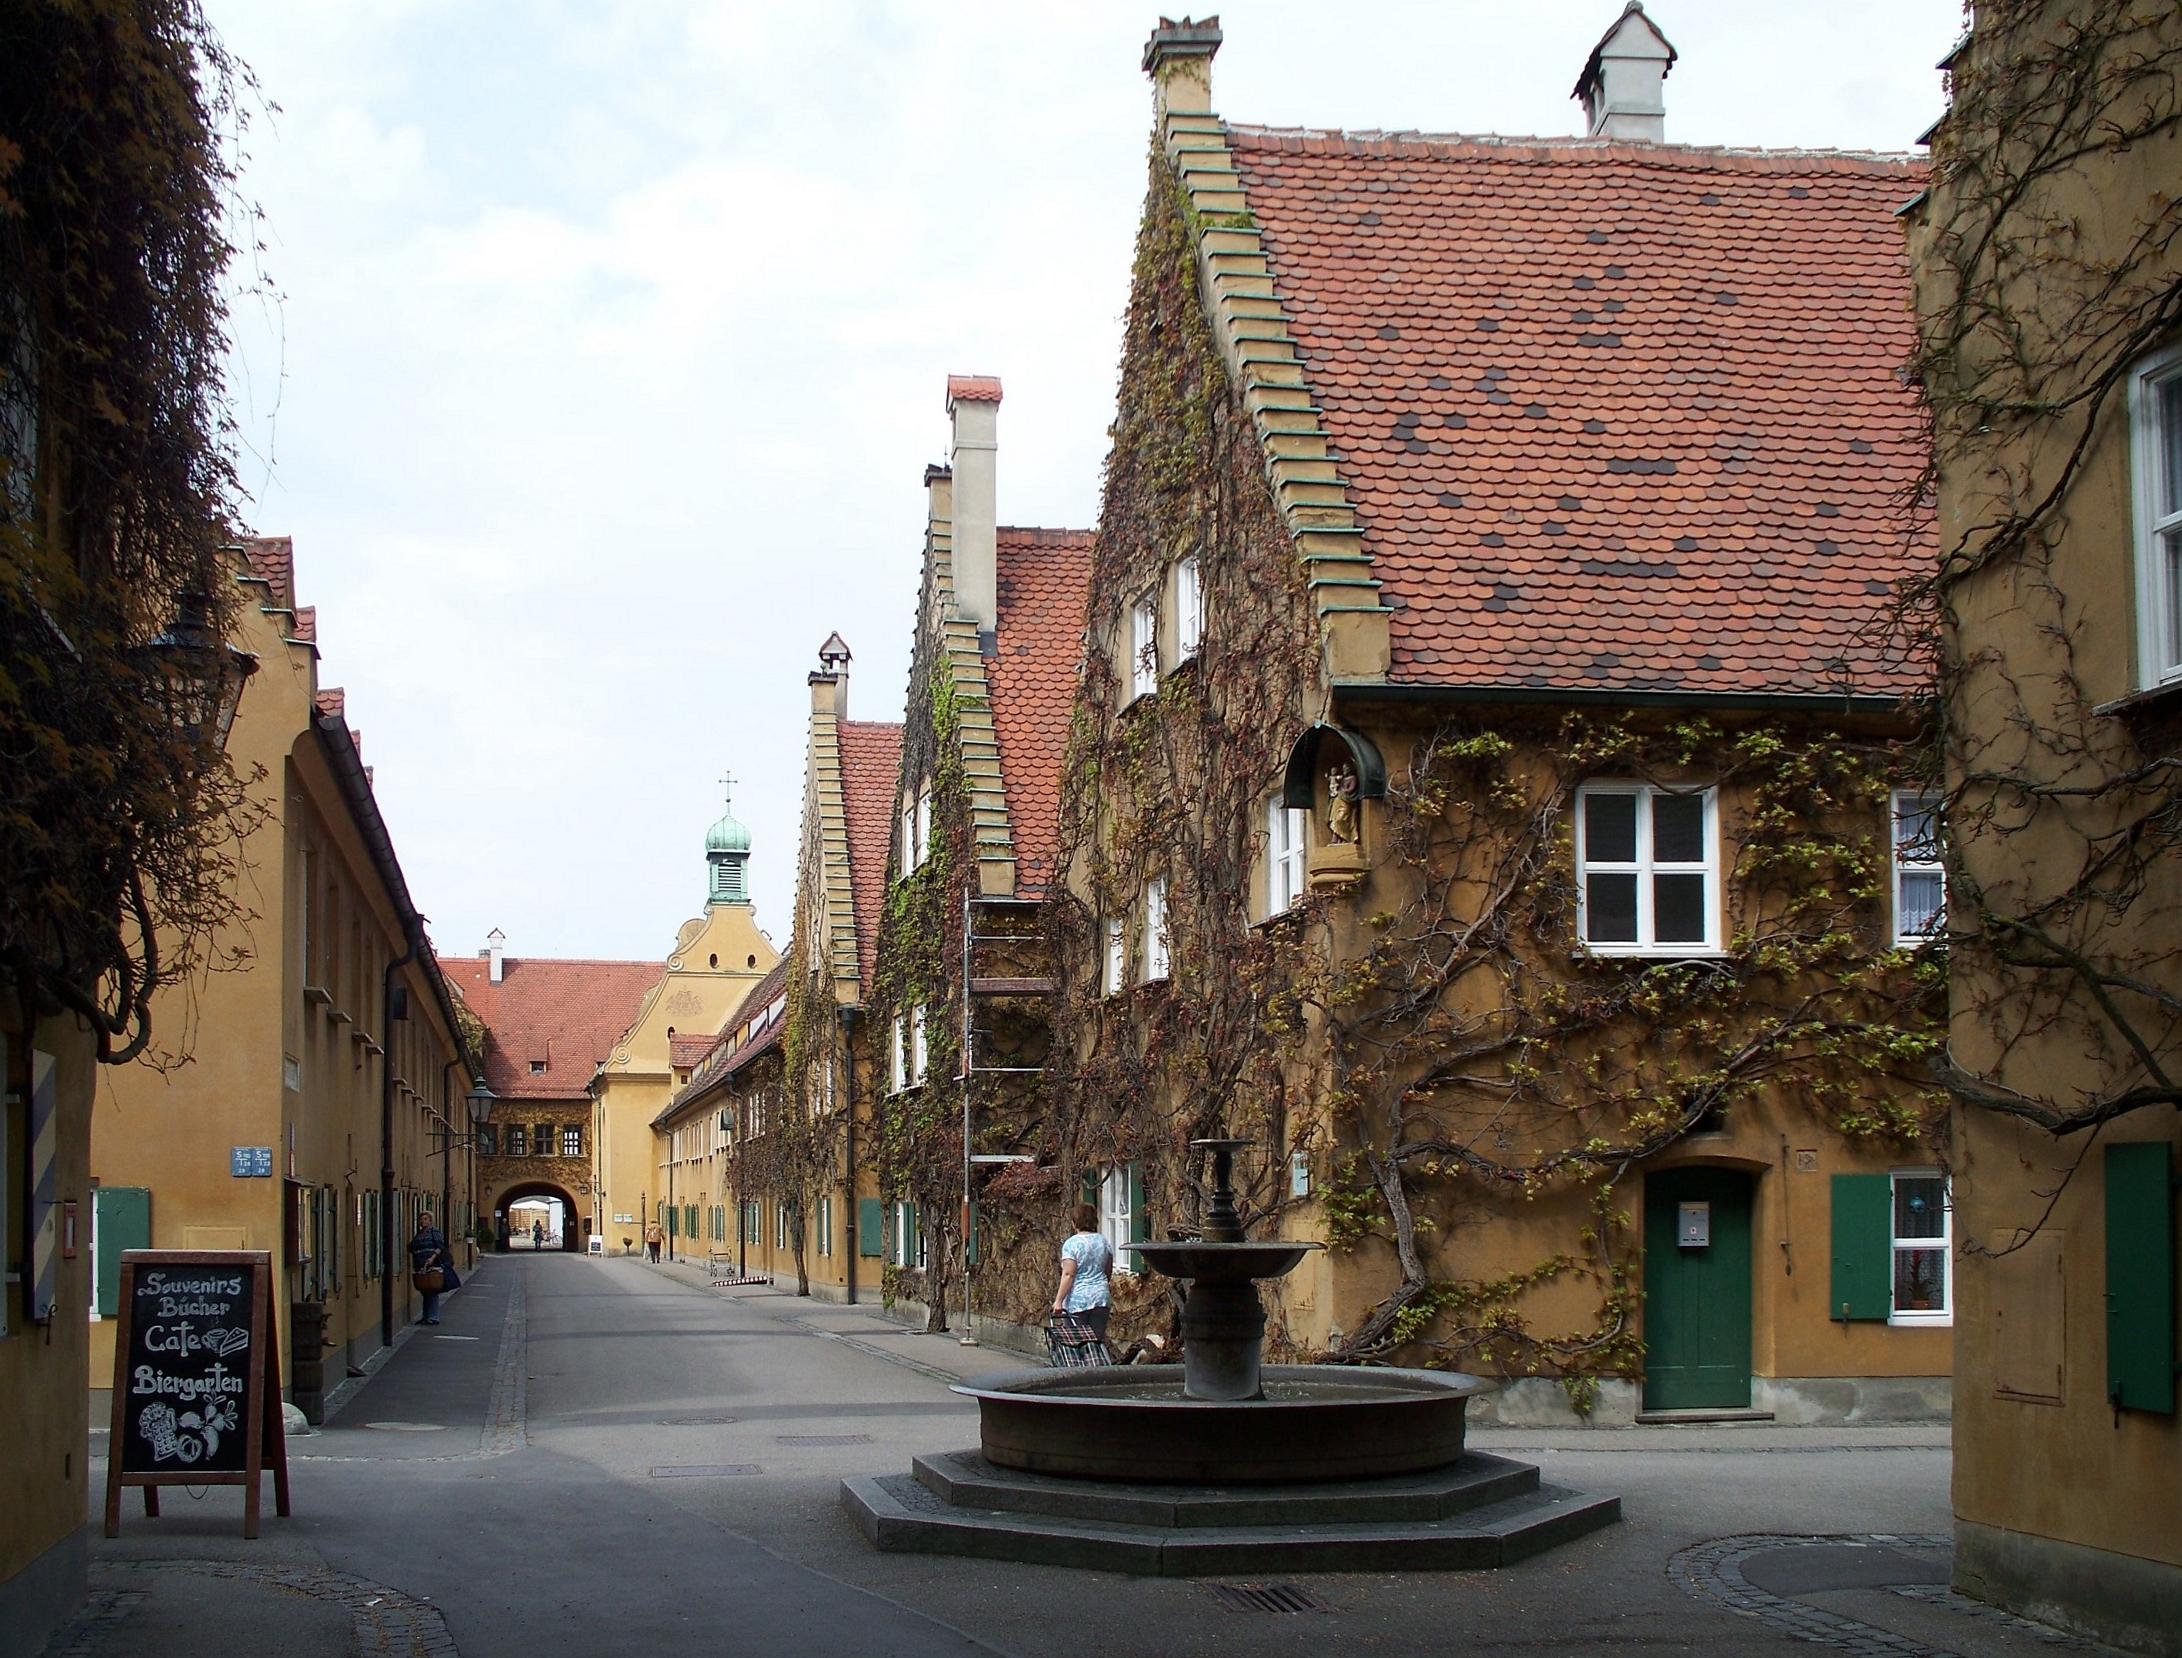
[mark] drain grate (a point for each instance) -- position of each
(704, 1471)
(1267, 1597)
(824, 1438)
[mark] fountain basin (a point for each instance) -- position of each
(1133, 1422)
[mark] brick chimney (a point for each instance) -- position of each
(973, 401)
(1623, 84)
(1178, 58)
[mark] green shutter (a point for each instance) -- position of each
(1140, 1224)
(870, 1227)
(2140, 1276)
(970, 1243)
(1090, 1192)
(1863, 1247)
(121, 1218)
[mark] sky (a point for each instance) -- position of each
(592, 351)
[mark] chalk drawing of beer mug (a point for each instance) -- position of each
(157, 1425)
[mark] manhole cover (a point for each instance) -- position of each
(1809, 1569)
(1267, 1597)
(407, 1427)
(704, 1471)
(824, 1438)
(697, 1421)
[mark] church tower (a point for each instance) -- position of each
(727, 850)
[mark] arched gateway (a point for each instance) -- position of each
(574, 1221)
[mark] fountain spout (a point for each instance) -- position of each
(1223, 1321)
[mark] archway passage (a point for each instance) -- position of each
(536, 1198)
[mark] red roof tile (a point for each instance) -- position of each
(871, 758)
(568, 1014)
(685, 1050)
(306, 624)
(972, 388)
(1611, 415)
(271, 559)
(1043, 578)
(333, 700)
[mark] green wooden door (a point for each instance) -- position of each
(1697, 1295)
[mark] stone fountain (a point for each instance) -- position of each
(1223, 1463)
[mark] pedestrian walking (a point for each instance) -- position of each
(537, 1234)
(1084, 1301)
(653, 1237)
(431, 1267)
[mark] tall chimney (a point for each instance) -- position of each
(1178, 58)
(494, 941)
(973, 400)
(1623, 84)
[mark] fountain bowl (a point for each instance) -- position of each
(1133, 1422)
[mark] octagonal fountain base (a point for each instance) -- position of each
(1116, 1469)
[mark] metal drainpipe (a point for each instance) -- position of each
(847, 1016)
(386, 1142)
(742, 1225)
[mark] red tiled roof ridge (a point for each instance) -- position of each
(1372, 141)
(973, 388)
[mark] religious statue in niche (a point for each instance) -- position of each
(1341, 805)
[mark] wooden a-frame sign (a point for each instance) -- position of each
(196, 1379)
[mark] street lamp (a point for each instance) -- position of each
(200, 674)
(480, 1101)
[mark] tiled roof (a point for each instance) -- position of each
(271, 559)
(722, 1055)
(306, 624)
(333, 700)
(973, 388)
(1612, 416)
(685, 1050)
(870, 767)
(1043, 577)
(567, 1013)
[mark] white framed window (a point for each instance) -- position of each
(780, 1226)
(909, 835)
(1143, 647)
(1117, 955)
(897, 1056)
(923, 824)
(919, 1051)
(1920, 885)
(1287, 835)
(1117, 1208)
(1189, 609)
(824, 1217)
(2155, 427)
(1155, 929)
(1924, 1270)
(1647, 869)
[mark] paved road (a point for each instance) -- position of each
(612, 1455)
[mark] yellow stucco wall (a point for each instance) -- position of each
(286, 1047)
(716, 959)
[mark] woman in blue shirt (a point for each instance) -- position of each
(1086, 1259)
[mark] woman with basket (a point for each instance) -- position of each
(1076, 1334)
(431, 1267)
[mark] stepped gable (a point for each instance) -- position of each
(1611, 416)
(568, 1013)
(1043, 580)
(871, 757)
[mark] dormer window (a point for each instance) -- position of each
(537, 1067)
(1143, 647)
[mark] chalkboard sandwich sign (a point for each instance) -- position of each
(196, 1378)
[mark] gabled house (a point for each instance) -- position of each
(548, 1023)
(717, 1132)
(961, 977)
(1492, 786)
(785, 1094)
(717, 957)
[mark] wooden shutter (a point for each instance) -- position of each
(1863, 1247)
(121, 1218)
(870, 1228)
(1140, 1224)
(2140, 1276)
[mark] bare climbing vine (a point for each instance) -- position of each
(2047, 270)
